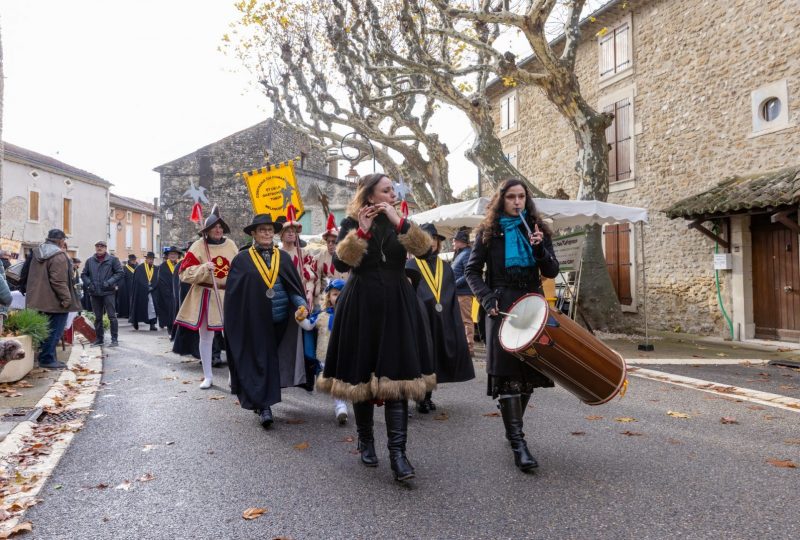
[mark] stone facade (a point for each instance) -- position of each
(215, 167)
(695, 66)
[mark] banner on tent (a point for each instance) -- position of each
(568, 250)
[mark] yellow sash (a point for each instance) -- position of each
(171, 266)
(269, 275)
(434, 281)
(130, 268)
(148, 271)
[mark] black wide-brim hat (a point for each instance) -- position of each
(430, 228)
(262, 219)
(150, 255)
(172, 249)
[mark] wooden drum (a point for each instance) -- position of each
(557, 346)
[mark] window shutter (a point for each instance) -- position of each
(512, 110)
(611, 140)
(67, 210)
(128, 236)
(33, 206)
(143, 238)
(504, 114)
(607, 54)
(112, 237)
(623, 129)
(621, 36)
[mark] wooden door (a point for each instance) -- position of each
(617, 240)
(776, 280)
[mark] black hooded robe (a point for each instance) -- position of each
(140, 296)
(167, 294)
(258, 369)
(124, 289)
(450, 349)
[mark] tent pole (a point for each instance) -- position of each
(647, 346)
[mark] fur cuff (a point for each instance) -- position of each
(351, 249)
(416, 241)
(378, 388)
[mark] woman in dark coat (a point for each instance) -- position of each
(377, 349)
(264, 301)
(514, 262)
(436, 288)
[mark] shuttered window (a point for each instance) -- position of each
(33, 205)
(617, 240)
(67, 216)
(619, 138)
(508, 112)
(615, 51)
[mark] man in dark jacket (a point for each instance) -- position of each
(51, 289)
(463, 292)
(100, 276)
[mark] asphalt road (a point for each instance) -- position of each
(210, 460)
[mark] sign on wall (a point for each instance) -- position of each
(273, 188)
(569, 249)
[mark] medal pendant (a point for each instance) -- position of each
(438, 307)
(270, 293)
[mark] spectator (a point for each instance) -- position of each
(5, 297)
(51, 290)
(100, 276)
(463, 292)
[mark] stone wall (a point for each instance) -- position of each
(214, 167)
(695, 66)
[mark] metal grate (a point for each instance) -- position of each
(66, 416)
(16, 413)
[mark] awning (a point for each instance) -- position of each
(737, 194)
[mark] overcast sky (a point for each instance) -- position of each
(117, 88)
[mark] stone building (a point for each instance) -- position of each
(132, 228)
(705, 134)
(214, 169)
(42, 193)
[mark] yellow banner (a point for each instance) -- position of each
(273, 188)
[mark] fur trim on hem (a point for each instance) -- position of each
(351, 249)
(416, 241)
(378, 388)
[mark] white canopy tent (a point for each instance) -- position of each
(562, 213)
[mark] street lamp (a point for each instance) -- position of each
(168, 215)
(119, 226)
(352, 175)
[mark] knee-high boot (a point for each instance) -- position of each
(366, 441)
(396, 432)
(511, 409)
(523, 400)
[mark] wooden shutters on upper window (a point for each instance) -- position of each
(67, 216)
(615, 51)
(508, 112)
(618, 136)
(33, 205)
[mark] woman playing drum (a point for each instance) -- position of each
(515, 259)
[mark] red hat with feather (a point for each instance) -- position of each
(330, 228)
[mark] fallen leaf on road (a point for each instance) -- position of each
(301, 446)
(676, 414)
(793, 405)
(21, 528)
(216, 398)
(100, 486)
(148, 447)
(349, 438)
(721, 354)
(295, 421)
(594, 417)
(495, 413)
(632, 433)
(169, 443)
(792, 441)
(783, 463)
(254, 513)
(146, 477)
(186, 382)
(23, 384)
(674, 441)
(125, 485)
(784, 349)
(756, 408)
(57, 486)
(728, 420)
(578, 433)
(175, 378)
(625, 419)
(770, 417)
(99, 415)
(441, 416)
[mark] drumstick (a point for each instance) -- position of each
(508, 314)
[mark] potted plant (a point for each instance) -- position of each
(30, 328)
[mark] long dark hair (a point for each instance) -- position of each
(366, 185)
(491, 223)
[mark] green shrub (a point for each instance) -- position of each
(29, 322)
(90, 317)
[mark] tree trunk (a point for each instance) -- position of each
(598, 300)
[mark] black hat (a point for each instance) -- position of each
(430, 228)
(132, 257)
(172, 249)
(462, 236)
(56, 234)
(149, 255)
(263, 219)
(212, 220)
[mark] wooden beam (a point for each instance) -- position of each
(698, 226)
(783, 218)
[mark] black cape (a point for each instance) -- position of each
(258, 370)
(167, 294)
(124, 289)
(185, 340)
(139, 295)
(449, 342)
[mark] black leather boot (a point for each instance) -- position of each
(366, 441)
(265, 417)
(396, 433)
(216, 350)
(431, 404)
(524, 399)
(511, 409)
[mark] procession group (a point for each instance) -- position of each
(376, 319)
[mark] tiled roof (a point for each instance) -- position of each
(118, 201)
(742, 193)
(29, 157)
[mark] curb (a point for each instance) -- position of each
(87, 385)
(755, 396)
